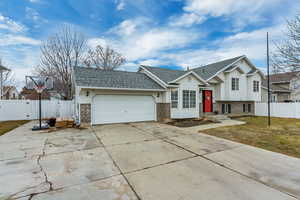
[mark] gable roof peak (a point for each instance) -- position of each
(210, 70)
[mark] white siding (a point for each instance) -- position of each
(236, 95)
(245, 92)
(256, 96)
(187, 83)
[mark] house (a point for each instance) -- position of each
(10, 92)
(33, 95)
(156, 94)
(2, 70)
(285, 87)
(27, 94)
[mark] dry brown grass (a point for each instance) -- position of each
(283, 136)
(7, 126)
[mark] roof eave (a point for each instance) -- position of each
(112, 88)
(188, 73)
(242, 57)
(160, 82)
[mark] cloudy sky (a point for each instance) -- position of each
(172, 33)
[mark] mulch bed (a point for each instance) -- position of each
(189, 122)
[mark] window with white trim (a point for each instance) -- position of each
(226, 108)
(189, 99)
(174, 99)
(255, 86)
(235, 84)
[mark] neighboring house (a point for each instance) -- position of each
(10, 92)
(2, 70)
(33, 95)
(285, 87)
(156, 94)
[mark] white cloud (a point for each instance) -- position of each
(154, 42)
(154, 62)
(20, 59)
(93, 42)
(252, 44)
(126, 27)
(33, 15)
(131, 26)
(8, 39)
(10, 25)
(135, 40)
(240, 12)
(186, 20)
(152, 47)
(226, 7)
(120, 5)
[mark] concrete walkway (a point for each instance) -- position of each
(143, 161)
(223, 123)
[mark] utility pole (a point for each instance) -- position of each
(1, 84)
(269, 91)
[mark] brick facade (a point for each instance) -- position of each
(163, 111)
(237, 107)
(85, 113)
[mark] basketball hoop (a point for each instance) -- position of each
(39, 84)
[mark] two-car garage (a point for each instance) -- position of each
(122, 108)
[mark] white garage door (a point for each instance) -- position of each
(122, 108)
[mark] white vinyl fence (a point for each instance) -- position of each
(29, 109)
(286, 110)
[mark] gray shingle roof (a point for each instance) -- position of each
(273, 87)
(3, 68)
(283, 77)
(166, 75)
(91, 77)
(208, 71)
(252, 71)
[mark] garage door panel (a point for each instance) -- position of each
(122, 108)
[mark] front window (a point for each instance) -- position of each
(189, 99)
(174, 99)
(235, 85)
(274, 98)
(255, 86)
(226, 108)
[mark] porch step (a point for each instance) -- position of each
(217, 118)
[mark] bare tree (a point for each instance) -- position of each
(287, 54)
(60, 53)
(104, 58)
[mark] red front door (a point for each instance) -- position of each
(207, 101)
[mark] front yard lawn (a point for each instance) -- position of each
(7, 126)
(283, 136)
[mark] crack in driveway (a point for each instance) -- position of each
(43, 171)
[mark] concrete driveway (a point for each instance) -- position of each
(147, 161)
